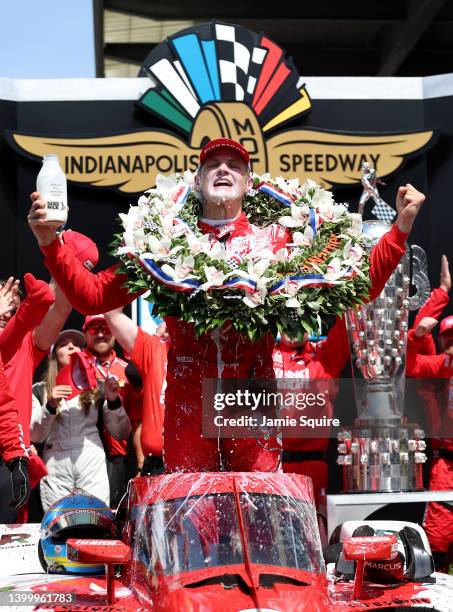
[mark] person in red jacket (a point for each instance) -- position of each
(434, 307)
(222, 179)
(21, 356)
(438, 398)
(12, 446)
(149, 354)
(307, 361)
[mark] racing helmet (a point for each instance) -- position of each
(78, 515)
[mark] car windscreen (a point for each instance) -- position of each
(199, 532)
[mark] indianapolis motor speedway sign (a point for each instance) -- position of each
(221, 80)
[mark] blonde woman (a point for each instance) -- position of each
(68, 428)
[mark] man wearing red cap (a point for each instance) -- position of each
(99, 349)
(222, 180)
(438, 398)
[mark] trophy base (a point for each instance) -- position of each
(382, 457)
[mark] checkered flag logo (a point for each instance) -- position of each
(382, 211)
(213, 62)
(239, 62)
(151, 226)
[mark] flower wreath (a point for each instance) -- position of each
(321, 272)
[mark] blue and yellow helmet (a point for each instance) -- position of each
(79, 515)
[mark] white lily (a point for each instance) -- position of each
(129, 244)
(183, 267)
(298, 218)
(166, 185)
(217, 250)
(304, 238)
(356, 228)
(287, 185)
(214, 277)
(334, 270)
(198, 244)
(280, 255)
(161, 248)
(131, 220)
(352, 253)
(323, 201)
(261, 178)
(167, 222)
(292, 303)
(339, 210)
(252, 300)
(139, 239)
(257, 269)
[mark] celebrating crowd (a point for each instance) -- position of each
(93, 411)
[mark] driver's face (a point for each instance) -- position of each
(224, 176)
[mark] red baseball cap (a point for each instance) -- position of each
(94, 320)
(223, 143)
(83, 247)
(446, 324)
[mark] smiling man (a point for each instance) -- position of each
(223, 178)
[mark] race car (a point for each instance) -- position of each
(230, 542)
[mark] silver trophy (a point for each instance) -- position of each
(383, 452)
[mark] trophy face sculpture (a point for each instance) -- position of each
(383, 452)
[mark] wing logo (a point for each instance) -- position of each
(221, 80)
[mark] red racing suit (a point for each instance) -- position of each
(322, 360)
(12, 443)
(439, 409)
(190, 359)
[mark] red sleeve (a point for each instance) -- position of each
(142, 352)
(333, 352)
(89, 293)
(433, 307)
(425, 366)
(384, 258)
(28, 316)
(11, 439)
(150, 356)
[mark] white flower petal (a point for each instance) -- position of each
(292, 303)
(289, 221)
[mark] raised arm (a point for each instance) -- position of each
(89, 293)
(45, 334)
(123, 329)
(30, 314)
(425, 366)
(386, 255)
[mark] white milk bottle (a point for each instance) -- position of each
(51, 184)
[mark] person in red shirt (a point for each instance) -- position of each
(304, 361)
(222, 179)
(438, 398)
(13, 451)
(99, 348)
(149, 354)
(434, 307)
(21, 356)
